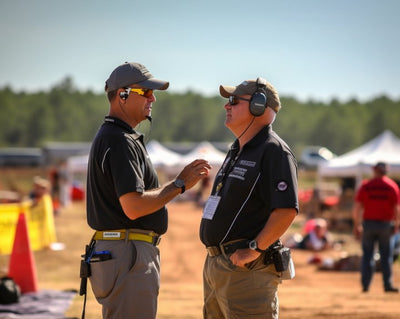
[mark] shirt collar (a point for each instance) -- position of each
(259, 138)
(116, 121)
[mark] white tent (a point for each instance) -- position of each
(77, 164)
(205, 150)
(161, 156)
(383, 148)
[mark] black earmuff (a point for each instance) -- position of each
(258, 101)
(124, 95)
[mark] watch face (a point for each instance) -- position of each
(179, 183)
(253, 245)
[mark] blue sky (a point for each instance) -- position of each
(308, 49)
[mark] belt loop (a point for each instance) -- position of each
(126, 235)
(222, 249)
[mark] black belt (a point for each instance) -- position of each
(231, 246)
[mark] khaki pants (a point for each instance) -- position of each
(127, 286)
(231, 292)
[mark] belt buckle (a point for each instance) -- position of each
(111, 234)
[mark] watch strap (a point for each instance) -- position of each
(254, 246)
(180, 184)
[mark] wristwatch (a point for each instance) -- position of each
(180, 184)
(254, 246)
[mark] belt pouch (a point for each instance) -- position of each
(281, 258)
(85, 271)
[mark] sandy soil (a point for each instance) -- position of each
(312, 294)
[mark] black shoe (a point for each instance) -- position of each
(391, 289)
(365, 290)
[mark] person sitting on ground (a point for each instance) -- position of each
(318, 238)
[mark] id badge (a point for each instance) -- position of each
(211, 206)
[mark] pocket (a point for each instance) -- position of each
(256, 264)
(103, 277)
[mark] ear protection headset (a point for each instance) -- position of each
(258, 101)
(124, 95)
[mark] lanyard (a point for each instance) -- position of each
(226, 170)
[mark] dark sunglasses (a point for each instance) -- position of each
(233, 99)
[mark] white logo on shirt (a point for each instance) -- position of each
(247, 163)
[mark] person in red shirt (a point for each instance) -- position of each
(376, 219)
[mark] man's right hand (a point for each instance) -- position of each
(193, 172)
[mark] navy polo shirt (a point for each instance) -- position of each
(119, 164)
(251, 184)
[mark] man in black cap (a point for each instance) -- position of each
(376, 219)
(253, 202)
(125, 203)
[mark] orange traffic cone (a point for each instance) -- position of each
(22, 267)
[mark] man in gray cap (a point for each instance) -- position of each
(125, 203)
(253, 202)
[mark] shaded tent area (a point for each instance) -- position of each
(338, 178)
(167, 162)
(162, 157)
(357, 163)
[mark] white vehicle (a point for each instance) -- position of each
(313, 155)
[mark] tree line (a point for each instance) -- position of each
(67, 114)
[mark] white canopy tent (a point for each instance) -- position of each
(205, 150)
(77, 164)
(358, 162)
(161, 156)
(163, 159)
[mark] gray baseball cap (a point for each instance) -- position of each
(248, 88)
(131, 73)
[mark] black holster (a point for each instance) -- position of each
(278, 255)
(85, 271)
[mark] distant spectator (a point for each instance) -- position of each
(376, 219)
(318, 238)
(40, 187)
(396, 246)
(203, 188)
(60, 179)
(41, 211)
(65, 184)
(55, 189)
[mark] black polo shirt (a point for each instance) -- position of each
(119, 164)
(262, 178)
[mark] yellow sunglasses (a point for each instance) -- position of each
(142, 92)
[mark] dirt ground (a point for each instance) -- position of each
(312, 294)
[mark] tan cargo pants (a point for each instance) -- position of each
(231, 292)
